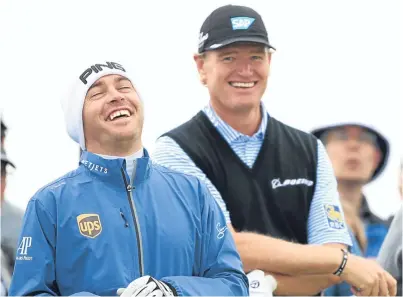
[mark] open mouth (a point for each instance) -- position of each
(242, 85)
(353, 163)
(119, 114)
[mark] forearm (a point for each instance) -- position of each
(305, 285)
(271, 254)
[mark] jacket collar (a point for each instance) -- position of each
(112, 170)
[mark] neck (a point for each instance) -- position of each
(246, 122)
(351, 193)
(116, 148)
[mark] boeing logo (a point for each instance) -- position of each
(276, 183)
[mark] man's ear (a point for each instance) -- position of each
(269, 55)
(269, 62)
(200, 61)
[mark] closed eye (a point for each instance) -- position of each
(95, 94)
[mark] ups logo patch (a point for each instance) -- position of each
(89, 225)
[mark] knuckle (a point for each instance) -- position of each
(394, 282)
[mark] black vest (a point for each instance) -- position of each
(274, 196)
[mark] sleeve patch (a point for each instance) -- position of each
(334, 216)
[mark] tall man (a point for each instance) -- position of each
(274, 183)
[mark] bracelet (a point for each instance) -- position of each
(343, 263)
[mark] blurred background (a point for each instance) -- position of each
(335, 61)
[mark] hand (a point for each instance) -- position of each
(368, 278)
(145, 286)
(261, 285)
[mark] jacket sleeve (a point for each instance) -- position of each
(34, 270)
(216, 258)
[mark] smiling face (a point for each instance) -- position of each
(112, 114)
(236, 76)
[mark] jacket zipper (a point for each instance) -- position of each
(135, 218)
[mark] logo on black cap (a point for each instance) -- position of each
(241, 23)
(229, 24)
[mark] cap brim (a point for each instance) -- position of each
(239, 40)
(383, 143)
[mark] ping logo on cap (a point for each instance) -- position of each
(89, 225)
(97, 68)
(241, 23)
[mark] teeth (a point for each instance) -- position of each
(123, 112)
(242, 84)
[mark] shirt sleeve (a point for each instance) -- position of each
(169, 154)
(326, 223)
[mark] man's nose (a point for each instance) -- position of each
(353, 143)
(245, 69)
(115, 96)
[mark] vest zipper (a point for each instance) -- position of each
(129, 192)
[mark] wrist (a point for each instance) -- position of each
(342, 264)
(171, 288)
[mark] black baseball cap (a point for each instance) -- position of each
(232, 23)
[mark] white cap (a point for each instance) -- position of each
(73, 103)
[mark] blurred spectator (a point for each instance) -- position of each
(358, 154)
(5, 274)
(11, 216)
(390, 255)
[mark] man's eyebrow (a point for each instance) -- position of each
(100, 83)
(258, 50)
(97, 84)
(227, 52)
(122, 78)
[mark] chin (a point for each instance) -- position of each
(355, 178)
(122, 132)
(244, 106)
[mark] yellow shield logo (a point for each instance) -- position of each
(89, 225)
(334, 217)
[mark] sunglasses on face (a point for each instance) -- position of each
(364, 136)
